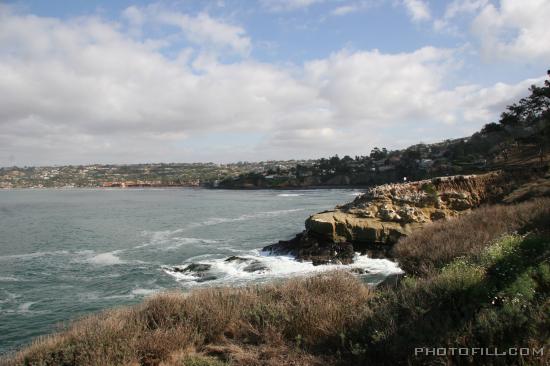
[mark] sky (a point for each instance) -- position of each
(85, 82)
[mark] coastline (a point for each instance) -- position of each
(308, 315)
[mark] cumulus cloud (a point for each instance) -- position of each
(85, 90)
(516, 29)
(418, 10)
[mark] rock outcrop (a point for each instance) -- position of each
(378, 218)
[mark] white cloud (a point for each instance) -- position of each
(288, 5)
(371, 87)
(204, 28)
(352, 7)
(344, 10)
(83, 90)
(201, 29)
(455, 9)
(515, 30)
(418, 10)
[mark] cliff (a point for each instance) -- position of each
(377, 219)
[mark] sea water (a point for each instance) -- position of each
(67, 253)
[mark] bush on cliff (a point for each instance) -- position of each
(438, 244)
(496, 298)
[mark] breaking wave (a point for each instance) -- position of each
(265, 267)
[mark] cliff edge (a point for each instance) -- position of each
(378, 218)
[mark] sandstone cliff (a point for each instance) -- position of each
(378, 218)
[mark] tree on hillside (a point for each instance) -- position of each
(529, 119)
(378, 154)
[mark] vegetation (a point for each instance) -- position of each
(436, 245)
(485, 290)
(496, 299)
(278, 319)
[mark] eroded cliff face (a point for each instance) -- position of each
(384, 213)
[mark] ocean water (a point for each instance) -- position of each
(66, 253)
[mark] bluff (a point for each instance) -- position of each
(378, 218)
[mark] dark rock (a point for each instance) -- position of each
(285, 246)
(194, 267)
(318, 262)
(306, 247)
(204, 278)
(360, 271)
(234, 258)
(256, 266)
(197, 269)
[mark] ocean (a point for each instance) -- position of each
(67, 253)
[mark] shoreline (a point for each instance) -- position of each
(188, 187)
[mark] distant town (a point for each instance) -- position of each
(134, 175)
(457, 156)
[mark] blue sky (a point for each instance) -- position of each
(140, 81)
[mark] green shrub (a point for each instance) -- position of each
(429, 249)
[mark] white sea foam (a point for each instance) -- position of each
(169, 240)
(289, 195)
(26, 256)
(9, 279)
(106, 259)
(356, 193)
(252, 216)
(25, 307)
(9, 298)
(276, 266)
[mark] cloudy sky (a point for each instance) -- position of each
(227, 80)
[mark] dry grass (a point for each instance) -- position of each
(438, 244)
(247, 325)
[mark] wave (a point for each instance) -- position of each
(10, 279)
(106, 259)
(9, 297)
(25, 307)
(33, 255)
(169, 240)
(256, 215)
(267, 267)
(173, 239)
(88, 255)
(289, 195)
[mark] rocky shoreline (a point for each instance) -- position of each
(375, 220)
